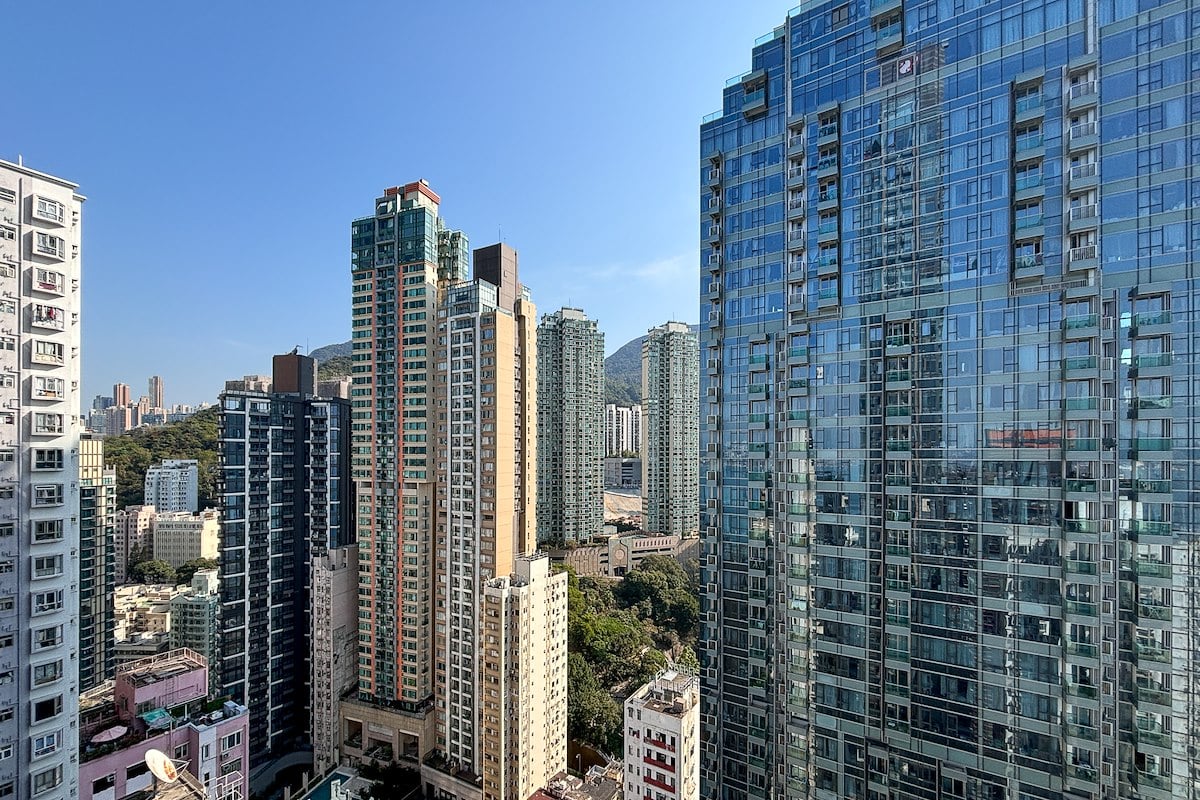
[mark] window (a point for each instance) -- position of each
(7, 492)
(47, 530)
(46, 602)
(8, 713)
(6, 566)
(47, 423)
(47, 673)
(47, 709)
(46, 780)
(231, 741)
(7, 381)
(48, 494)
(49, 388)
(46, 566)
(48, 280)
(7, 640)
(181, 752)
(7, 529)
(8, 195)
(7, 603)
(7, 306)
(45, 208)
(7, 676)
(45, 352)
(136, 770)
(102, 784)
(48, 458)
(47, 637)
(46, 244)
(6, 751)
(8, 343)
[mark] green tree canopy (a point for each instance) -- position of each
(153, 571)
(132, 453)
(185, 571)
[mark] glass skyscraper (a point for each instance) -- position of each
(948, 392)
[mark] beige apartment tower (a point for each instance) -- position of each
(671, 430)
(524, 654)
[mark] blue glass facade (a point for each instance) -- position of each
(948, 350)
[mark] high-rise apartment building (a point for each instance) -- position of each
(670, 430)
(195, 622)
(333, 636)
(570, 429)
(948, 278)
(156, 392)
(122, 395)
(445, 414)
(173, 485)
(524, 680)
(97, 563)
(39, 470)
(622, 429)
(403, 256)
(286, 499)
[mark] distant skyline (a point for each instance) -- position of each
(224, 149)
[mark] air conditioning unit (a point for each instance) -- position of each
(712, 419)
(711, 475)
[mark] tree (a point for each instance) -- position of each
(593, 716)
(688, 662)
(154, 571)
(132, 453)
(189, 568)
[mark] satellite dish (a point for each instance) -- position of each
(161, 766)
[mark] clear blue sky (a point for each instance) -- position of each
(225, 147)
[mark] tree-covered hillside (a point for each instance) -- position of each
(133, 452)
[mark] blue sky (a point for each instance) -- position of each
(225, 147)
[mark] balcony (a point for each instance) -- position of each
(1083, 173)
(1023, 265)
(827, 131)
(1147, 319)
(666, 787)
(1028, 142)
(1081, 322)
(1083, 134)
(1082, 94)
(1082, 256)
(714, 175)
(795, 174)
(1075, 363)
(1153, 651)
(1147, 527)
(1150, 360)
(1028, 220)
(796, 207)
(48, 317)
(889, 37)
(1031, 105)
(827, 164)
(659, 764)
(754, 103)
(1084, 216)
(1082, 403)
(1151, 444)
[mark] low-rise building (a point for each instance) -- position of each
(662, 739)
(195, 620)
(622, 472)
(143, 608)
(617, 554)
(161, 703)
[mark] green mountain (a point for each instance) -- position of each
(132, 454)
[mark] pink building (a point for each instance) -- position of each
(162, 703)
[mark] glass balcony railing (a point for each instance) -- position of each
(1151, 444)
(1028, 261)
(1028, 181)
(1081, 443)
(1079, 321)
(1146, 360)
(758, 359)
(898, 375)
(1151, 651)
(1152, 486)
(829, 226)
(756, 418)
(1075, 485)
(828, 129)
(828, 294)
(1082, 403)
(1153, 569)
(1158, 613)
(757, 388)
(1028, 141)
(898, 411)
(1080, 526)
(1155, 402)
(1082, 649)
(1029, 102)
(798, 383)
(1080, 362)
(827, 162)
(1028, 221)
(797, 415)
(1149, 694)
(1080, 609)
(1144, 318)
(798, 352)
(898, 445)
(757, 447)
(1149, 527)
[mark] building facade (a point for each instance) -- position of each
(402, 258)
(155, 393)
(173, 486)
(670, 430)
(524, 686)
(947, 290)
(39, 469)
(662, 739)
(134, 538)
(570, 427)
(333, 635)
(196, 622)
(179, 536)
(97, 563)
(622, 429)
(286, 499)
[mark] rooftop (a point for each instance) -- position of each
(153, 669)
(672, 692)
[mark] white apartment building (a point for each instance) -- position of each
(182, 537)
(622, 429)
(524, 692)
(39, 466)
(334, 637)
(670, 448)
(662, 739)
(173, 485)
